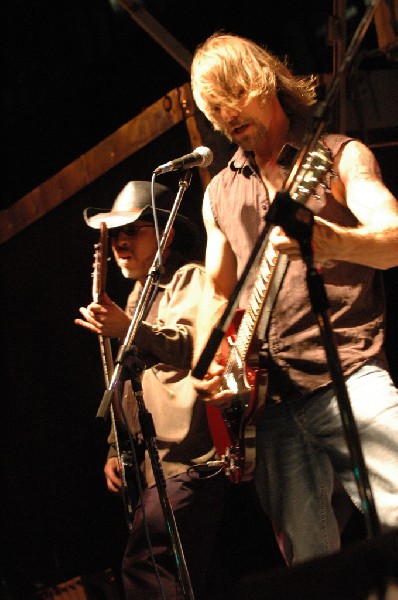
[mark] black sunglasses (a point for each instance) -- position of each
(131, 230)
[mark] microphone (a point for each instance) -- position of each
(200, 157)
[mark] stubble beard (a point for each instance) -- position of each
(126, 273)
(251, 141)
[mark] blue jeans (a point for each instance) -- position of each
(301, 448)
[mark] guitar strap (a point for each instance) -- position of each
(287, 157)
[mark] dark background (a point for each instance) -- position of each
(73, 71)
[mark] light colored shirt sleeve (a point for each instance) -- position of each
(169, 339)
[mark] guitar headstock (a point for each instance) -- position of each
(100, 264)
(312, 171)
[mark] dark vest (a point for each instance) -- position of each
(296, 356)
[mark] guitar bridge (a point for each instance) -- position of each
(233, 464)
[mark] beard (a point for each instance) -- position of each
(134, 271)
(126, 273)
(258, 135)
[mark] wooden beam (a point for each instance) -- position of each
(189, 109)
(158, 33)
(131, 137)
(386, 22)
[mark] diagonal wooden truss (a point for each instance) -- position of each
(173, 108)
(176, 106)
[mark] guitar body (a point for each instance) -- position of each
(233, 429)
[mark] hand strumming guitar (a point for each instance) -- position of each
(209, 388)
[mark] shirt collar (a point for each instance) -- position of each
(243, 160)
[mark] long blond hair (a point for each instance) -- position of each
(226, 65)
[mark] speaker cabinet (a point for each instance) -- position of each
(365, 570)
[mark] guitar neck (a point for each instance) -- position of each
(107, 358)
(98, 289)
(256, 301)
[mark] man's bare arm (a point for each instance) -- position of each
(374, 242)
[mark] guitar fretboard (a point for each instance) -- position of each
(256, 301)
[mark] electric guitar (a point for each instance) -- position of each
(233, 429)
(129, 495)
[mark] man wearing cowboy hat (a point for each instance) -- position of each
(164, 342)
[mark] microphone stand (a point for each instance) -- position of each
(297, 221)
(127, 360)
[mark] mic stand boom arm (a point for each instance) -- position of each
(322, 110)
(297, 221)
(126, 360)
